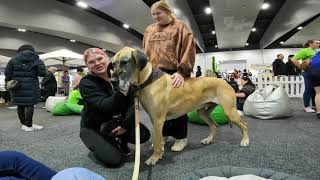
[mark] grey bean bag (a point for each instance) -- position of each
(270, 103)
(229, 171)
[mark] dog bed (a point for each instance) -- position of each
(270, 103)
(229, 171)
(217, 115)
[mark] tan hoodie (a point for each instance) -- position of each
(170, 47)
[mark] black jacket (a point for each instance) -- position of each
(279, 67)
(102, 102)
(291, 69)
(25, 67)
(198, 73)
(49, 82)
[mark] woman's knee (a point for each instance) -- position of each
(103, 150)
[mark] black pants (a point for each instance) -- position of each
(25, 114)
(177, 128)
(106, 148)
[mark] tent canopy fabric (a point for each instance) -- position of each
(64, 57)
(4, 61)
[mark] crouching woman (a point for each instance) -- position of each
(107, 122)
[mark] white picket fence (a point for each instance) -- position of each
(294, 85)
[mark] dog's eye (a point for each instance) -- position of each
(124, 62)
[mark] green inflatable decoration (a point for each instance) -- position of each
(70, 107)
(217, 115)
(61, 109)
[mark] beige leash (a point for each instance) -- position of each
(135, 175)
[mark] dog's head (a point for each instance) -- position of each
(127, 64)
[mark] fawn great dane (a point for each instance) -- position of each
(163, 102)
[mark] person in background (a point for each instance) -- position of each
(278, 66)
(198, 73)
(25, 68)
(169, 45)
(311, 91)
(108, 113)
(291, 68)
(77, 78)
(49, 83)
(65, 78)
(247, 88)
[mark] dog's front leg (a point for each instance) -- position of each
(157, 142)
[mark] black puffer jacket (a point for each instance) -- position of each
(25, 67)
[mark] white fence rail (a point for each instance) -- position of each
(294, 85)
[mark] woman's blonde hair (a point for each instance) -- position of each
(165, 7)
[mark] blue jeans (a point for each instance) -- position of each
(309, 92)
(17, 166)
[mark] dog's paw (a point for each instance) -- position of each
(244, 142)
(152, 160)
(206, 141)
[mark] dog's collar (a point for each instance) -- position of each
(155, 74)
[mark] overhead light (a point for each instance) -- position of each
(265, 6)
(213, 32)
(207, 10)
(216, 46)
(126, 26)
(22, 30)
(281, 42)
(247, 44)
(82, 4)
(253, 29)
(300, 27)
(72, 40)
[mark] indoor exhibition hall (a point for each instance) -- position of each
(159, 89)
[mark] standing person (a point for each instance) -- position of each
(77, 78)
(169, 45)
(311, 91)
(291, 68)
(278, 66)
(107, 120)
(49, 83)
(198, 73)
(25, 68)
(65, 78)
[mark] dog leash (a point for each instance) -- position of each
(136, 167)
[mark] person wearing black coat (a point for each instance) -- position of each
(278, 66)
(25, 68)
(291, 68)
(49, 83)
(198, 73)
(107, 120)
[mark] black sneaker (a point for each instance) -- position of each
(318, 115)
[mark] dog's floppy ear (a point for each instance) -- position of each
(140, 58)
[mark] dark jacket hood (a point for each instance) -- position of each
(26, 56)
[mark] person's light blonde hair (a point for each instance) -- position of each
(165, 7)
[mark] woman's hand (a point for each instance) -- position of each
(177, 80)
(118, 131)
